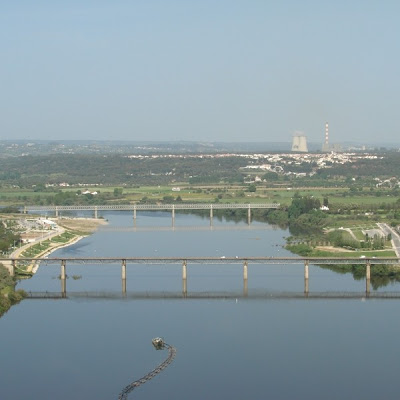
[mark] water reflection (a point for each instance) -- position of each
(193, 228)
(109, 295)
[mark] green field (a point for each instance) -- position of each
(209, 193)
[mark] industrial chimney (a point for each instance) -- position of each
(325, 147)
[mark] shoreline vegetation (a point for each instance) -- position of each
(72, 230)
(8, 295)
(315, 233)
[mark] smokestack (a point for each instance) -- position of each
(326, 134)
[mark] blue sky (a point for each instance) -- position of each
(205, 70)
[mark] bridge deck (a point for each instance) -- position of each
(211, 260)
(154, 207)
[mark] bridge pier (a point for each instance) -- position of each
(123, 276)
(184, 278)
(306, 288)
(134, 213)
(245, 288)
(56, 211)
(367, 278)
(173, 215)
(211, 215)
(63, 278)
(12, 267)
(249, 215)
(25, 210)
(95, 212)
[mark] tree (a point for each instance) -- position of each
(271, 176)
(302, 205)
(168, 199)
(118, 192)
(252, 188)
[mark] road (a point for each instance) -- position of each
(17, 252)
(386, 229)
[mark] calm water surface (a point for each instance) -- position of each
(228, 348)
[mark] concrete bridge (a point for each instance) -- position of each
(154, 207)
(185, 261)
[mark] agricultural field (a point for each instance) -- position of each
(201, 193)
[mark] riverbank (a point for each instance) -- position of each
(354, 244)
(8, 295)
(33, 267)
(66, 232)
(69, 231)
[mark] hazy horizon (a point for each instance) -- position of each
(226, 71)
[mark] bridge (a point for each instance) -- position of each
(154, 207)
(185, 261)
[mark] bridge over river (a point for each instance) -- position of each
(369, 264)
(154, 207)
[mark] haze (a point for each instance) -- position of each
(206, 70)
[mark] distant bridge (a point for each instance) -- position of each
(154, 207)
(184, 261)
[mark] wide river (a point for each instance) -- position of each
(228, 346)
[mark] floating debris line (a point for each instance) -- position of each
(159, 344)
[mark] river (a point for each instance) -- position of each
(229, 346)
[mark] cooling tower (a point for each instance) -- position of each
(299, 143)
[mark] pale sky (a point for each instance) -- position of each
(210, 70)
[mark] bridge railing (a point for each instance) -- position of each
(149, 207)
(211, 260)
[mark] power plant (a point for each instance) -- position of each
(299, 143)
(326, 147)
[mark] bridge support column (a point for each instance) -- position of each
(12, 268)
(56, 211)
(245, 288)
(211, 215)
(95, 212)
(249, 215)
(123, 276)
(306, 277)
(134, 213)
(184, 278)
(367, 278)
(63, 278)
(173, 215)
(25, 210)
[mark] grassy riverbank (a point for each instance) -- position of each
(8, 294)
(72, 230)
(381, 275)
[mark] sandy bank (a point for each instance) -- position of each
(84, 225)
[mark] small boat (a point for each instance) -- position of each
(158, 343)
